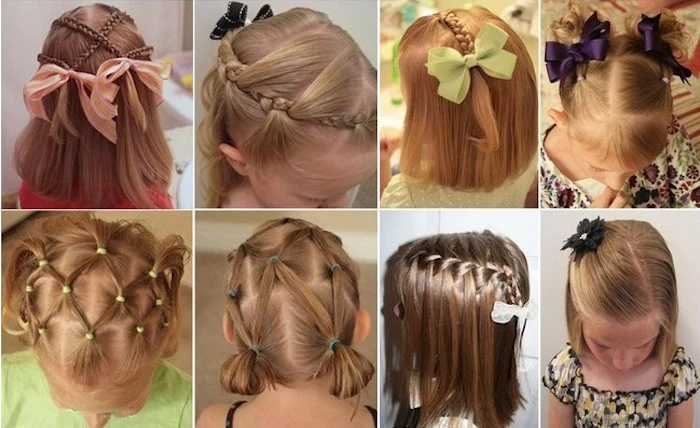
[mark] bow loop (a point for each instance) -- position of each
(451, 68)
(235, 17)
(502, 313)
(656, 47)
(561, 59)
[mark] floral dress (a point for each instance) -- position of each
(671, 181)
(595, 408)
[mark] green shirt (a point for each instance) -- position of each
(27, 403)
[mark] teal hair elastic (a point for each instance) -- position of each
(333, 267)
(274, 258)
(332, 343)
(255, 350)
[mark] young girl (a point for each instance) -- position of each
(623, 366)
(95, 140)
(463, 302)
(470, 132)
(293, 314)
(616, 142)
(98, 304)
(291, 112)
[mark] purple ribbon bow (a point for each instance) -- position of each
(656, 47)
(561, 58)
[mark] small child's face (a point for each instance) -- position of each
(621, 345)
(606, 169)
(320, 180)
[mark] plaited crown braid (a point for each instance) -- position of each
(292, 295)
(96, 299)
(466, 42)
(461, 362)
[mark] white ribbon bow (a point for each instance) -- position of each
(502, 313)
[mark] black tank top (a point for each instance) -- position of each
(236, 405)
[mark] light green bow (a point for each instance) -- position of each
(451, 68)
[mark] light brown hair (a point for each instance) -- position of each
(68, 158)
(97, 301)
(464, 363)
(492, 135)
(281, 85)
(293, 297)
(621, 105)
(629, 275)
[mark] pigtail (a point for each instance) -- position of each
(671, 31)
(567, 29)
(131, 96)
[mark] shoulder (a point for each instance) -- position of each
(173, 379)
(562, 375)
(213, 416)
(22, 363)
(681, 380)
(397, 194)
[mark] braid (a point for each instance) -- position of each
(461, 34)
(100, 37)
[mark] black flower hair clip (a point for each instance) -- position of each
(235, 16)
(588, 236)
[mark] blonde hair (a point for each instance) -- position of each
(629, 275)
(95, 300)
(622, 104)
(492, 135)
(280, 84)
(293, 297)
(464, 362)
(80, 162)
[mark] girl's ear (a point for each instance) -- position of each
(227, 327)
(235, 157)
(559, 118)
(362, 324)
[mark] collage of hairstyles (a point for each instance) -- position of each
(290, 82)
(292, 294)
(493, 132)
(100, 138)
(461, 361)
(96, 300)
(629, 274)
(621, 104)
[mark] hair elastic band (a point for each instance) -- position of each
(89, 336)
(333, 267)
(332, 343)
(102, 251)
(28, 288)
(159, 302)
(120, 298)
(41, 330)
(166, 323)
(66, 289)
(153, 274)
(666, 79)
(274, 258)
(43, 263)
(139, 329)
(232, 293)
(255, 350)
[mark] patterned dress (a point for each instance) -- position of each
(596, 408)
(671, 181)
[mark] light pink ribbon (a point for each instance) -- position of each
(150, 73)
(51, 77)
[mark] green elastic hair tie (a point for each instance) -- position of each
(89, 336)
(120, 298)
(255, 350)
(139, 329)
(153, 274)
(274, 258)
(66, 289)
(101, 251)
(28, 288)
(333, 267)
(43, 263)
(332, 343)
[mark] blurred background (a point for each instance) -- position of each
(162, 224)
(399, 227)
(165, 24)
(357, 17)
(219, 232)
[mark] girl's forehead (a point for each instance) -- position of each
(637, 331)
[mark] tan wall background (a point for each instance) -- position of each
(217, 234)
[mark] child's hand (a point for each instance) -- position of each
(389, 139)
(611, 198)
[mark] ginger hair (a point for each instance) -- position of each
(97, 301)
(629, 275)
(620, 105)
(68, 158)
(488, 138)
(459, 360)
(292, 295)
(281, 85)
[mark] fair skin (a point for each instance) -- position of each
(620, 356)
(320, 179)
(578, 161)
(305, 404)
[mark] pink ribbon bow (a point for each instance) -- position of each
(51, 77)
(105, 92)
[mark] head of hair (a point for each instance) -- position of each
(629, 275)
(620, 105)
(461, 360)
(493, 132)
(80, 162)
(97, 301)
(294, 310)
(281, 85)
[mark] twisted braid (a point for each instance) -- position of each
(100, 37)
(461, 34)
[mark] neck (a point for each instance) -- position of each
(241, 196)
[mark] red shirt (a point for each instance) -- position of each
(28, 199)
